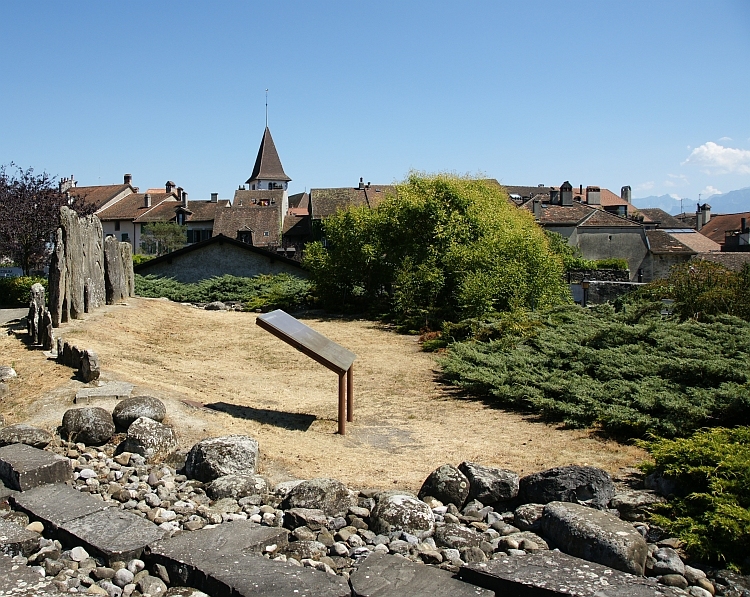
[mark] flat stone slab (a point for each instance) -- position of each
(16, 540)
(21, 581)
(382, 575)
(56, 504)
(555, 573)
(23, 467)
(113, 533)
(115, 390)
(225, 561)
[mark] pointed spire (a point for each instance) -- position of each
(267, 164)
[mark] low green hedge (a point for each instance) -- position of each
(16, 292)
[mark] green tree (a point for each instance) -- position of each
(440, 249)
(159, 238)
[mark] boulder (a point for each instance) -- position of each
(595, 536)
(312, 518)
(215, 306)
(528, 517)
(399, 512)
(329, 495)
(7, 373)
(89, 368)
(130, 409)
(490, 485)
(635, 505)
(447, 484)
(237, 486)
(90, 425)
(116, 286)
(456, 536)
(586, 485)
(215, 457)
(150, 439)
(25, 434)
(667, 561)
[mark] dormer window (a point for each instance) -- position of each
(180, 219)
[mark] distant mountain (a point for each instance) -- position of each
(723, 203)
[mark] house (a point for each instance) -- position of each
(731, 231)
(100, 196)
(653, 218)
(217, 256)
(670, 247)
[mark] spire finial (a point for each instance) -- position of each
(266, 108)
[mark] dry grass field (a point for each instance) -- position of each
(406, 423)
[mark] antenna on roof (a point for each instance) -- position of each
(266, 108)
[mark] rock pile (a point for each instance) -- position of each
(464, 518)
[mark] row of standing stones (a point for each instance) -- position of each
(467, 514)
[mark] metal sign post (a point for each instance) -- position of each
(319, 348)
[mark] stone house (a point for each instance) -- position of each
(670, 247)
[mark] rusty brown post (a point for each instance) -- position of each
(350, 394)
(342, 403)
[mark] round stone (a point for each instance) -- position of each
(215, 457)
(130, 409)
(89, 425)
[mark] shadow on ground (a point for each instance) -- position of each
(277, 418)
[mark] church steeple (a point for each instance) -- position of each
(268, 173)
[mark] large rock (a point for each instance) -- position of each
(150, 439)
(595, 536)
(635, 505)
(23, 467)
(329, 495)
(586, 485)
(7, 373)
(237, 486)
(398, 512)
(447, 484)
(89, 370)
(456, 536)
(130, 409)
(25, 434)
(215, 457)
(488, 484)
(91, 425)
(115, 284)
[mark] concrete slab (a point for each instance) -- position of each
(115, 390)
(185, 556)
(23, 467)
(383, 575)
(21, 581)
(552, 573)
(56, 504)
(112, 533)
(16, 540)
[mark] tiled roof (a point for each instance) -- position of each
(166, 211)
(243, 198)
(663, 242)
(205, 211)
(606, 219)
(326, 202)
(268, 164)
(253, 218)
(730, 260)
(296, 225)
(132, 206)
(527, 192)
(609, 199)
(696, 241)
(655, 215)
(557, 215)
(98, 196)
(720, 224)
(300, 200)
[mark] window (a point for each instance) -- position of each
(266, 233)
(125, 237)
(117, 225)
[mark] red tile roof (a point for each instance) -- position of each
(719, 225)
(132, 207)
(250, 218)
(98, 196)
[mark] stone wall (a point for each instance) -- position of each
(600, 275)
(80, 275)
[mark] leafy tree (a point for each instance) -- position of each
(29, 215)
(160, 238)
(441, 249)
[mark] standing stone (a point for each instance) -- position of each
(36, 312)
(595, 536)
(586, 485)
(93, 264)
(126, 255)
(447, 484)
(73, 242)
(89, 369)
(47, 338)
(58, 279)
(91, 425)
(215, 457)
(488, 484)
(114, 275)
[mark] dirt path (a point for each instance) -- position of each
(252, 383)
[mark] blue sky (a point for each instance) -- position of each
(651, 94)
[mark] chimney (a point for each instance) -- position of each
(580, 190)
(625, 193)
(169, 186)
(536, 207)
(554, 196)
(127, 179)
(147, 200)
(361, 183)
(184, 199)
(566, 194)
(179, 192)
(214, 197)
(743, 225)
(593, 196)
